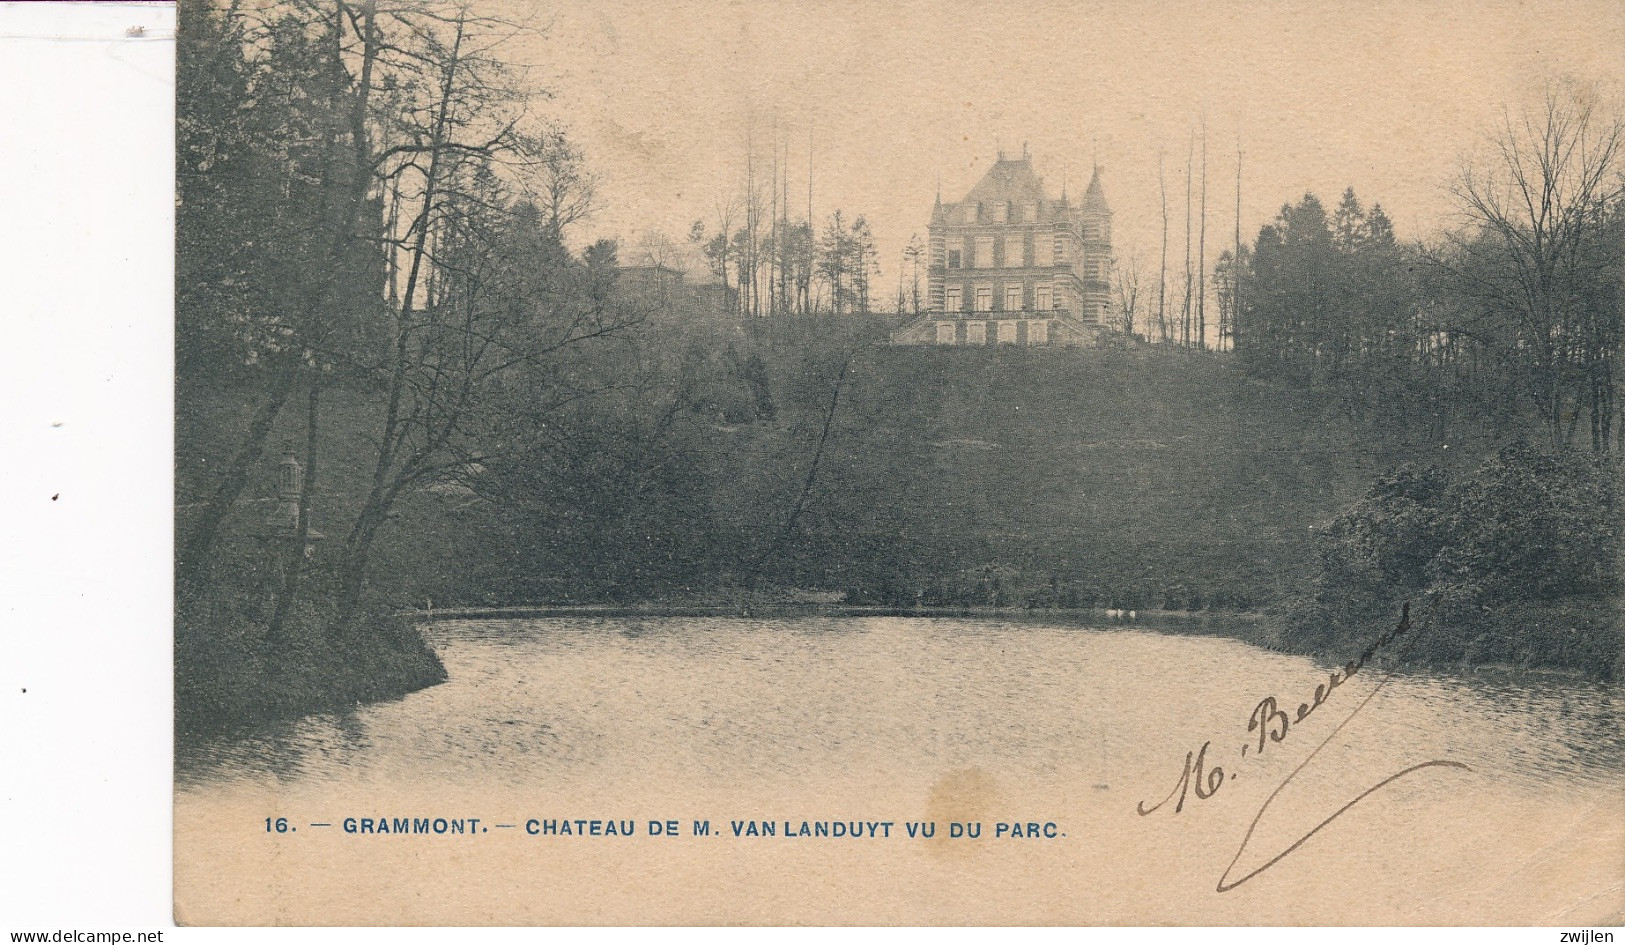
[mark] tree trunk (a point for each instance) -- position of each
(1162, 264)
(1185, 304)
(800, 504)
(358, 547)
(194, 555)
(1201, 255)
(1607, 404)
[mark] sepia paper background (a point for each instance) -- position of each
(897, 101)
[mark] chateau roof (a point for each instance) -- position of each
(1009, 179)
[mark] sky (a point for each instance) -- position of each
(892, 97)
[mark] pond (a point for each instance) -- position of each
(911, 721)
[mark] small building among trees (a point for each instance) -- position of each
(659, 289)
(1011, 265)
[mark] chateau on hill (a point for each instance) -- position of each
(1011, 265)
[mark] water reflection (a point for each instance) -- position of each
(543, 700)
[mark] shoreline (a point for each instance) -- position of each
(815, 610)
(1256, 628)
(243, 685)
(402, 663)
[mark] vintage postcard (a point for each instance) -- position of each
(868, 463)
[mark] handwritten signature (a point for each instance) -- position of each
(1273, 724)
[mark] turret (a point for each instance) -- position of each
(1094, 199)
(1095, 222)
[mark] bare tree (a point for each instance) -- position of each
(913, 260)
(1185, 312)
(1162, 263)
(1228, 326)
(1126, 289)
(1543, 201)
(748, 249)
(655, 248)
(781, 243)
(486, 291)
(1201, 254)
(566, 189)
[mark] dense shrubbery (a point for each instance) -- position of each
(231, 669)
(1142, 479)
(1517, 562)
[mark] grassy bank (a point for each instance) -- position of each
(225, 686)
(1133, 478)
(232, 671)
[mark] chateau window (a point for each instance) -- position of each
(984, 253)
(1043, 300)
(1043, 251)
(954, 302)
(1014, 252)
(1001, 212)
(1012, 298)
(984, 298)
(1031, 213)
(945, 333)
(1038, 333)
(953, 259)
(1007, 333)
(976, 333)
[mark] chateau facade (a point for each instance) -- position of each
(1011, 265)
